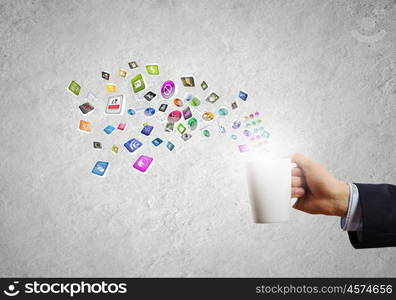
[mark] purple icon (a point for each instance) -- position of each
(168, 89)
(246, 132)
(243, 148)
(143, 163)
(147, 130)
(236, 124)
(132, 145)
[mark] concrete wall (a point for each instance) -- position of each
(323, 89)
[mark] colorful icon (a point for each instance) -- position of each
(266, 134)
(100, 168)
(147, 130)
(174, 116)
(221, 129)
(234, 137)
(188, 81)
(247, 132)
(75, 88)
(163, 107)
(131, 111)
(149, 111)
(115, 105)
(186, 136)
(150, 96)
(97, 145)
(121, 126)
(204, 86)
(234, 105)
(85, 126)
(222, 111)
(86, 108)
(111, 88)
(105, 75)
(257, 114)
(170, 146)
(133, 65)
(212, 98)
(114, 149)
(181, 128)
(169, 127)
(138, 83)
(236, 124)
(178, 102)
(122, 73)
(208, 116)
(168, 89)
(132, 145)
(156, 142)
(243, 148)
(243, 95)
(109, 129)
(143, 163)
(194, 102)
(152, 69)
(206, 132)
(192, 123)
(187, 113)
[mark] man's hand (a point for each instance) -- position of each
(318, 192)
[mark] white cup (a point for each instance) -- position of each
(269, 185)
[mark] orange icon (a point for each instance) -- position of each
(85, 126)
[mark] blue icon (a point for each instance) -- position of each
(156, 142)
(170, 146)
(149, 111)
(100, 168)
(132, 145)
(243, 95)
(109, 129)
(131, 112)
(147, 129)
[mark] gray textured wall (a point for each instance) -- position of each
(324, 90)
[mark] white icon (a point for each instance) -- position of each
(115, 105)
(138, 84)
(11, 292)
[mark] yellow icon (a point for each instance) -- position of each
(111, 88)
(208, 116)
(114, 149)
(122, 73)
(85, 126)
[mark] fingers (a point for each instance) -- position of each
(297, 172)
(302, 161)
(297, 192)
(298, 181)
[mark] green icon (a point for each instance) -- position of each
(193, 123)
(194, 101)
(204, 85)
(152, 69)
(206, 133)
(138, 83)
(222, 111)
(75, 88)
(181, 128)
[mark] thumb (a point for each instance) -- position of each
(302, 161)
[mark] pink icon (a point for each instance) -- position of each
(143, 163)
(168, 89)
(121, 126)
(174, 116)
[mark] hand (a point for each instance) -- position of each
(318, 192)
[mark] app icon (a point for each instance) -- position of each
(236, 124)
(97, 145)
(138, 83)
(186, 136)
(157, 141)
(85, 126)
(178, 102)
(121, 126)
(111, 88)
(163, 107)
(115, 105)
(122, 73)
(169, 127)
(212, 98)
(105, 75)
(168, 89)
(100, 168)
(170, 146)
(204, 86)
(188, 81)
(243, 95)
(243, 148)
(187, 113)
(181, 128)
(114, 148)
(222, 111)
(147, 130)
(143, 163)
(150, 96)
(149, 111)
(152, 69)
(194, 102)
(192, 123)
(109, 129)
(234, 105)
(206, 132)
(208, 116)
(133, 64)
(75, 88)
(131, 111)
(132, 145)
(86, 108)
(174, 116)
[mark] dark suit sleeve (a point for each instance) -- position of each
(378, 203)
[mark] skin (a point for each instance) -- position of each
(318, 191)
